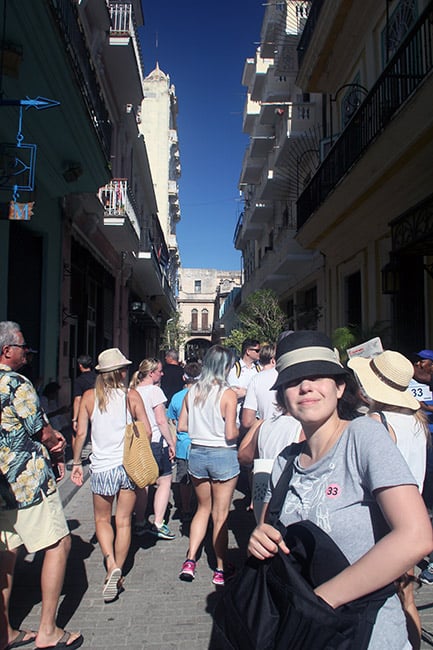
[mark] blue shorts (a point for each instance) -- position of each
(215, 463)
(109, 482)
(160, 454)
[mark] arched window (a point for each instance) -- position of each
(194, 320)
(204, 319)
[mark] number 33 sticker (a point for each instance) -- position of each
(333, 490)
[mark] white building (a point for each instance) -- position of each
(159, 128)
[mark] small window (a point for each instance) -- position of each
(197, 286)
(204, 319)
(194, 320)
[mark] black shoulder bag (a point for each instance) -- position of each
(271, 605)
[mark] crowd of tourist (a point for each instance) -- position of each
(354, 437)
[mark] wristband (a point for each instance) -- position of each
(77, 464)
(76, 420)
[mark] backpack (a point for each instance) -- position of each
(239, 368)
(270, 604)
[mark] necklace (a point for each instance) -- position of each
(328, 444)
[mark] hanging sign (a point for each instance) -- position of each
(20, 211)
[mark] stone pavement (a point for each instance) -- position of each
(156, 611)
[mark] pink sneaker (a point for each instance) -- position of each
(187, 572)
(218, 578)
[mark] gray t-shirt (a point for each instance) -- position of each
(336, 494)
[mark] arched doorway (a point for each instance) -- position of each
(196, 349)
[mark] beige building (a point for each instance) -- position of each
(361, 227)
(201, 298)
(159, 128)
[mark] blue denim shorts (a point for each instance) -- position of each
(160, 454)
(215, 463)
(110, 481)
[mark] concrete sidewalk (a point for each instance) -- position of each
(156, 611)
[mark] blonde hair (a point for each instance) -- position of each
(105, 383)
(144, 369)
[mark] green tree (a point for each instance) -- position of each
(175, 334)
(261, 317)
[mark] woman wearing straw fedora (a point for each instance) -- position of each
(384, 381)
(349, 479)
(109, 407)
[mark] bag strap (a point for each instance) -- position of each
(279, 492)
(128, 410)
(383, 419)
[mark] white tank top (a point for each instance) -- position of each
(412, 442)
(108, 432)
(206, 425)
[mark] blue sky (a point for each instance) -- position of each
(203, 47)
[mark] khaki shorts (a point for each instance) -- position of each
(37, 527)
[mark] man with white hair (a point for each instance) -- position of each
(31, 511)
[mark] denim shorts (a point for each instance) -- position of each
(215, 463)
(160, 454)
(109, 482)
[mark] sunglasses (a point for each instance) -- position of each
(255, 349)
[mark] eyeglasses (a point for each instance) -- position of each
(24, 346)
(255, 349)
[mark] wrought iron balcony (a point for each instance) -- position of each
(66, 16)
(118, 204)
(123, 28)
(406, 71)
(310, 26)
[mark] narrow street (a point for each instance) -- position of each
(156, 611)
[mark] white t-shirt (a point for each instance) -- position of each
(337, 494)
(260, 397)
(152, 396)
(276, 434)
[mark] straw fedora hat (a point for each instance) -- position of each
(111, 359)
(385, 378)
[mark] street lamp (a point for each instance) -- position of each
(352, 102)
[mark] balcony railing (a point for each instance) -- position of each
(118, 201)
(410, 65)
(66, 15)
(310, 26)
(123, 27)
(238, 228)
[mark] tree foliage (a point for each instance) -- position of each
(261, 317)
(175, 334)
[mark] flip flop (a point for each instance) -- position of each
(62, 643)
(110, 590)
(20, 641)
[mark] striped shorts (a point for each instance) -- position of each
(110, 481)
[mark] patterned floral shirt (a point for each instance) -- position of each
(25, 468)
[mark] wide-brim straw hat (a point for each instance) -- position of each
(306, 353)
(385, 378)
(111, 359)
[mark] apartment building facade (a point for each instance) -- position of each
(83, 272)
(363, 205)
(201, 298)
